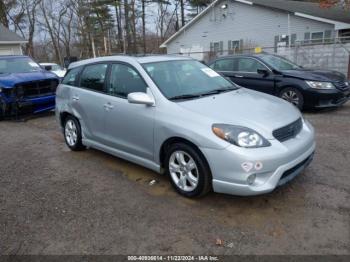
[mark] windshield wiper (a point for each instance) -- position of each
(212, 92)
(218, 91)
(180, 97)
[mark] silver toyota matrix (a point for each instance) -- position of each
(177, 116)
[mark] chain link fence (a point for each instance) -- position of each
(331, 54)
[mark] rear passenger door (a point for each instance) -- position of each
(90, 99)
(129, 127)
(246, 74)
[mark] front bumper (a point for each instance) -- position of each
(326, 98)
(12, 106)
(272, 166)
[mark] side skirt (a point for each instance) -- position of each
(115, 152)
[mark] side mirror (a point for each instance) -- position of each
(263, 72)
(48, 68)
(140, 98)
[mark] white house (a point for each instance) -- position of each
(10, 42)
(229, 25)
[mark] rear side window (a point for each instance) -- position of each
(71, 77)
(224, 65)
(93, 77)
(249, 65)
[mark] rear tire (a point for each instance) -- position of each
(188, 171)
(293, 96)
(72, 134)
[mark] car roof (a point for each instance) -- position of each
(47, 64)
(130, 59)
(12, 56)
(242, 55)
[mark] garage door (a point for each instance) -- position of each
(6, 51)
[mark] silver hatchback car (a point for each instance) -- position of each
(177, 116)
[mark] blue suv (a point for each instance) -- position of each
(25, 87)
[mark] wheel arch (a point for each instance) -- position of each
(177, 139)
(63, 117)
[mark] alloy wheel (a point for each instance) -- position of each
(71, 133)
(183, 171)
(291, 97)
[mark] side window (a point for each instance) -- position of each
(224, 65)
(249, 65)
(71, 76)
(125, 80)
(93, 77)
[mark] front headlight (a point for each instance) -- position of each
(320, 85)
(240, 136)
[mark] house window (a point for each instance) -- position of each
(317, 37)
(328, 36)
(217, 47)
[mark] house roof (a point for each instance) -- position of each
(8, 37)
(311, 10)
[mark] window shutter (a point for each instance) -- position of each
(294, 39)
(328, 36)
(241, 45)
(277, 38)
(211, 47)
(221, 47)
(307, 37)
(229, 45)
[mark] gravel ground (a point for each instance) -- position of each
(54, 201)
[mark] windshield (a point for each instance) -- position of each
(18, 65)
(186, 78)
(279, 63)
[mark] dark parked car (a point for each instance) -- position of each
(278, 76)
(25, 86)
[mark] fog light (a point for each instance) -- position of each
(251, 179)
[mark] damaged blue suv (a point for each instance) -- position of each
(25, 87)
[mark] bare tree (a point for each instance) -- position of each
(31, 8)
(3, 14)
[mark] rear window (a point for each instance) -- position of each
(71, 76)
(224, 65)
(93, 77)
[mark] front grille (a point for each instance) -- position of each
(37, 88)
(341, 85)
(287, 132)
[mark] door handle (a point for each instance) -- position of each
(240, 76)
(108, 106)
(75, 98)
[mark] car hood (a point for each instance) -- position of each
(59, 73)
(10, 80)
(316, 75)
(260, 112)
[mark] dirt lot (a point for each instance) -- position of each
(53, 201)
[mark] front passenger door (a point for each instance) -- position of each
(129, 127)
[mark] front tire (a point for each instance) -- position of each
(72, 134)
(293, 96)
(188, 171)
